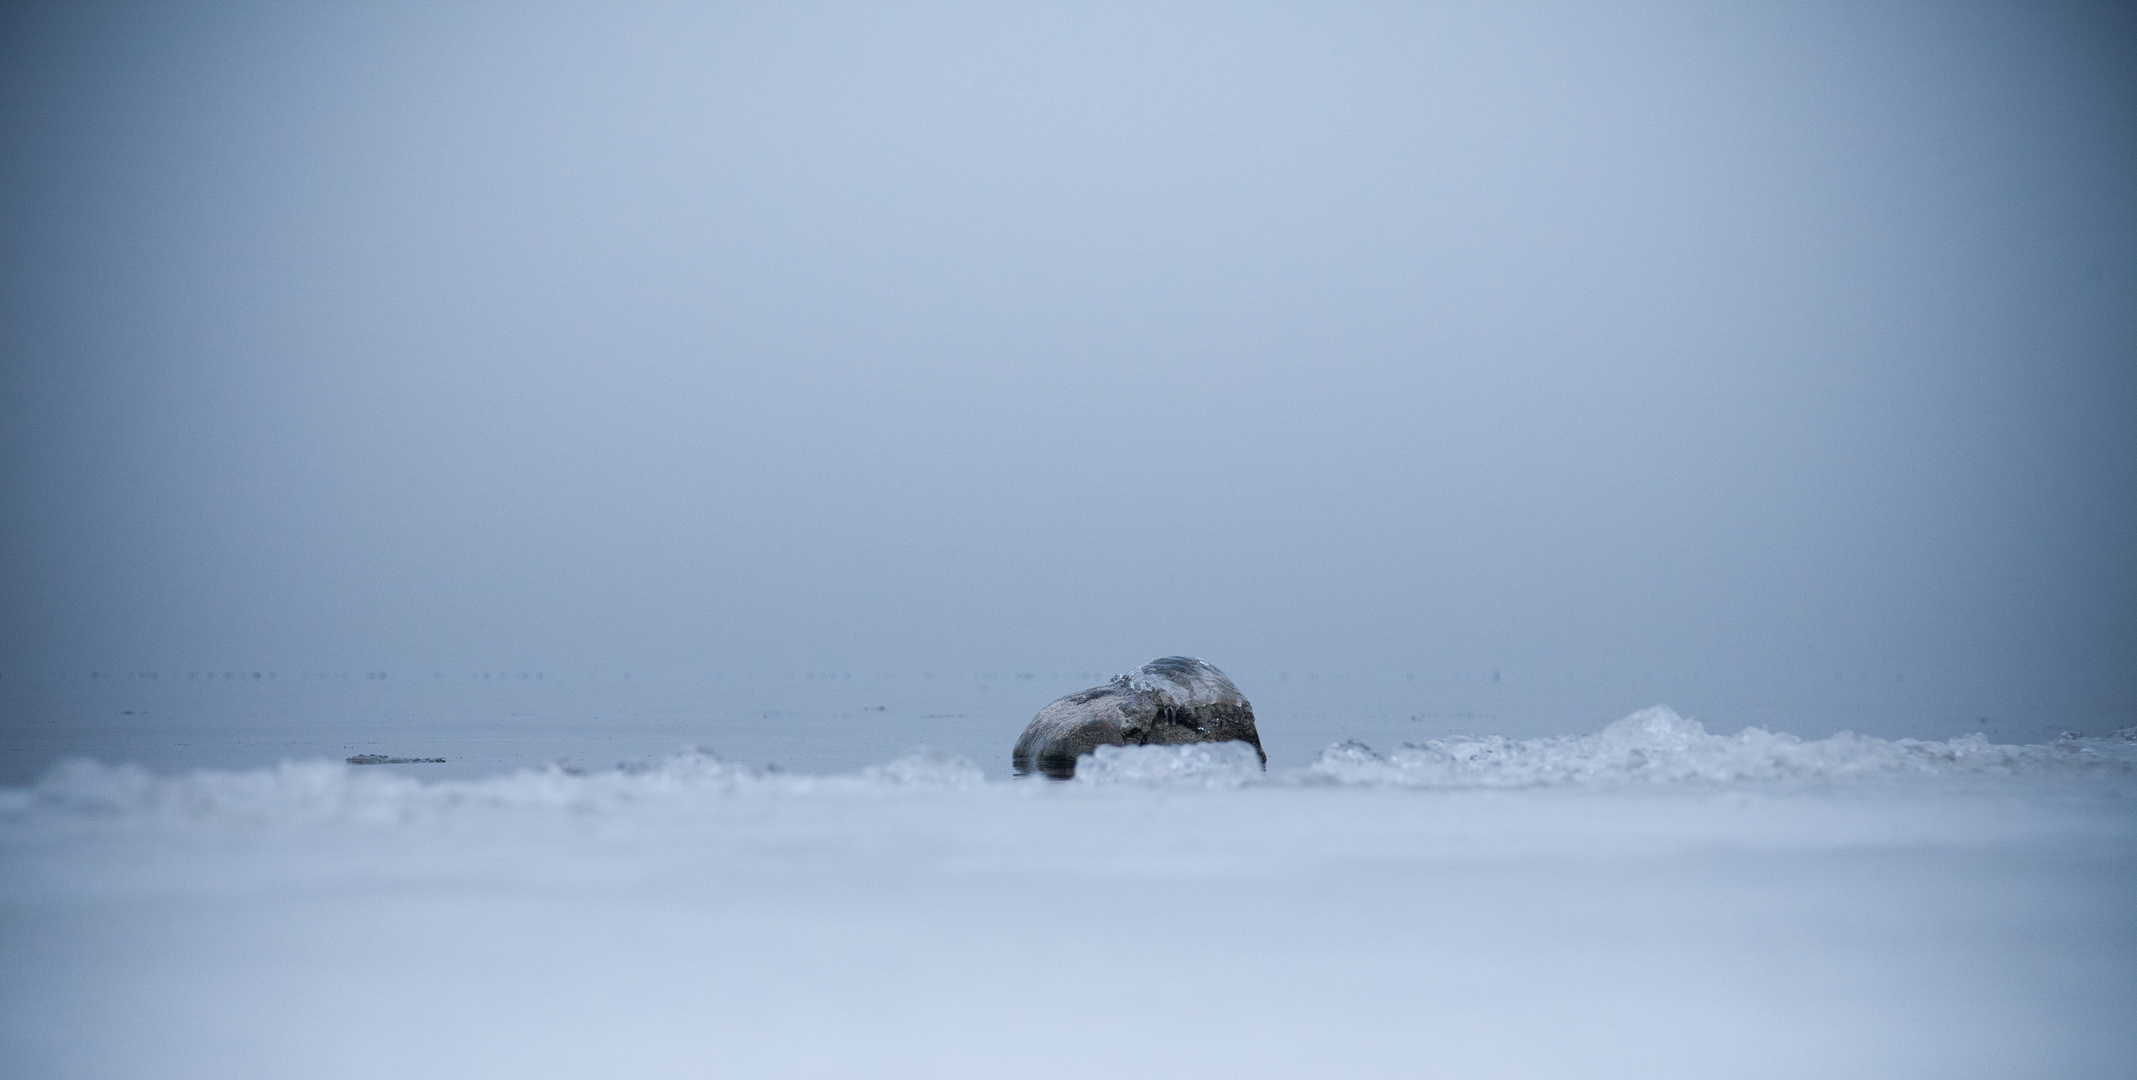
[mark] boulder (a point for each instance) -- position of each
(1168, 701)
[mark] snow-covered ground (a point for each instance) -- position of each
(1649, 900)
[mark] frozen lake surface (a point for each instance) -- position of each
(1644, 900)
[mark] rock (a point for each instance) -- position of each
(1166, 702)
(381, 759)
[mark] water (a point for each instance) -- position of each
(485, 723)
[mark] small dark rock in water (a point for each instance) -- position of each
(381, 759)
(1166, 702)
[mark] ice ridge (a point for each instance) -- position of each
(319, 790)
(1657, 745)
(1652, 746)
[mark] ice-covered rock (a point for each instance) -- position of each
(1169, 701)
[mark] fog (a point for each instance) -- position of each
(1681, 345)
(528, 533)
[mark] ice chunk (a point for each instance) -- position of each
(927, 767)
(1208, 765)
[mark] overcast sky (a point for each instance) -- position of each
(1762, 339)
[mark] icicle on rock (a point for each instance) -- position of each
(1166, 702)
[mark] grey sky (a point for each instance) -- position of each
(1568, 337)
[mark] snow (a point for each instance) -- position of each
(1184, 682)
(1648, 900)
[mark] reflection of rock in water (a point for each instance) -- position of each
(1168, 701)
(381, 759)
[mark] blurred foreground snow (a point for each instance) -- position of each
(1649, 900)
